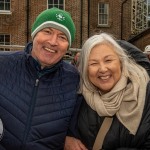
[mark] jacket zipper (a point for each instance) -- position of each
(32, 104)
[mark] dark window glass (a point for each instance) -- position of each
(5, 5)
(56, 3)
(103, 14)
(4, 40)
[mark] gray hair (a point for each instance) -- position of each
(127, 63)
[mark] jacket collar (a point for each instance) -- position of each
(36, 65)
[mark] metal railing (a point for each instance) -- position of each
(19, 47)
(69, 55)
(11, 47)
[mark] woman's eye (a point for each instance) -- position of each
(92, 64)
(108, 60)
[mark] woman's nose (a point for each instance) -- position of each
(102, 68)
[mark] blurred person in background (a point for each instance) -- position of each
(75, 61)
(147, 51)
(135, 53)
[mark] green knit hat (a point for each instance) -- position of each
(55, 18)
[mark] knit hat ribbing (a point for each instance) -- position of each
(55, 18)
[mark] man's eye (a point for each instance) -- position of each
(63, 38)
(47, 31)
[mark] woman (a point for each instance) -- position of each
(113, 85)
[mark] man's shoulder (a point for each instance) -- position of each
(69, 67)
(6, 57)
(10, 53)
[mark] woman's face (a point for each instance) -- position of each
(104, 67)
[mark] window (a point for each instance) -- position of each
(5, 7)
(56, 3)
(148, 17)
(4, 41)
(103, 14)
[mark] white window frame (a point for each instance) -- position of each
(4, 43)
(103, 17)
(56, 4)
(148, 12)
(4, 11)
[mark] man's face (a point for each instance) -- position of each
(49, 46)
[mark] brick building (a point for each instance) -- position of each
(117, 17)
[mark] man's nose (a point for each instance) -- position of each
(53, 39)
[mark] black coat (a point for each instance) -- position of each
(118, 137)
(136, 54)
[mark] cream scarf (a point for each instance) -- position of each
(126, 100)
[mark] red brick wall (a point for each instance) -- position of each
(119, 21)
(15, 23)
(114, 18)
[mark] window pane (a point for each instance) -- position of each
(55, 3)
(101, 8)
(103, 14)
(7, 6)
(4, 4)
(61, 7)
(61, 1)
(148, 23)
(7, 40)
(50, 6)
(1, 5)
(1, 39)
(105, 9)
(149, 10)
(4, 40)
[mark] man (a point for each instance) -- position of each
(38, 92)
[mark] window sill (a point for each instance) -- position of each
(103, 26)
(5, 12)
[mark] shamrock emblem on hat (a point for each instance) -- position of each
(60, 17)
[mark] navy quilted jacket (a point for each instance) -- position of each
(38, 107)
